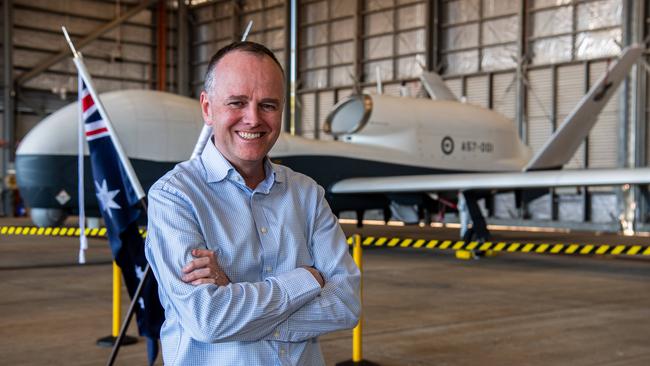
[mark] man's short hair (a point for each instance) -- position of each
(245, 46)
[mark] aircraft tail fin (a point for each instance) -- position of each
(564, 142)
(436, 87)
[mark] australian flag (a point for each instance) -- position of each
(118, 201)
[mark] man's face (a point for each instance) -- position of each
(244, 108)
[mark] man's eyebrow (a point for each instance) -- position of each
(238, 97)
(270, 100)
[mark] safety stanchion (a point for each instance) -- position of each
(357, 346)
(109, 341)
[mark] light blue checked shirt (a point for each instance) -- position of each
(273, 311)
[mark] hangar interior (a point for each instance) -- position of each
(531, 60)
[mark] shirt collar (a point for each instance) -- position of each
(218, 168)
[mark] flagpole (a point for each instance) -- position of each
(128, 317)
(83, 241)
(206, 131)
(126, 163)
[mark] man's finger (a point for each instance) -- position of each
(210, 281)
(196, 274)
(188, 267)
(202, 252)
(197, 263)
(189, 277)
(201, 281)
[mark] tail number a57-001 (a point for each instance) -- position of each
(477, 146)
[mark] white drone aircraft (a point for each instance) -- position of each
(388, 149)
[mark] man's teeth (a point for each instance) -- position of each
(249, 135)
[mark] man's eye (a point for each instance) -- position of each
(236, 104)
(269, 107)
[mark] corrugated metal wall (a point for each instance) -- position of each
(477, 90)
(220, 22)
(570, 89)
(213, 28)
(325, 103)
(456, 86)
(307, 109)
(504, 95)
(540, 107)
(603, 152)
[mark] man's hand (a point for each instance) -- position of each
(204, 269)
(316, 275)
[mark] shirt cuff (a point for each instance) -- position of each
(300, 286)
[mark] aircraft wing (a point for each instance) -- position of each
(495, 181)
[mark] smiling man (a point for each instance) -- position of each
(245, 113)
(251, 263)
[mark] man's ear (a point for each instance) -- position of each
(206, 111)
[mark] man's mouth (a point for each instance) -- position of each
(249, 135)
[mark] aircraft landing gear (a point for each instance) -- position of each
(479, 231)
(359, 218)
(387, 214)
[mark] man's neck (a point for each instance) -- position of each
(252, 179)
(253, 175)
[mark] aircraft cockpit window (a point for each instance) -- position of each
(349, 115)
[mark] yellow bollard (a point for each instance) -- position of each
(357, 354)
(117, 305)
(109, 341)
(356, 332)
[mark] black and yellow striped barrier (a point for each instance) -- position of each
(56, 231)
(543, 248)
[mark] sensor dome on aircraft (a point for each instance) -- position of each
(349, 116)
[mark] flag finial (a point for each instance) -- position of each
(67, 38)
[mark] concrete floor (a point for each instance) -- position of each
(421, 307)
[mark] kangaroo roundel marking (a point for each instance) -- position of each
(447, 145)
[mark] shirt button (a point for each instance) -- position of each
(282, 351)
(268, 269)
(263, 230)
(276, 334)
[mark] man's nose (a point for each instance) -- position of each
(251, 115)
